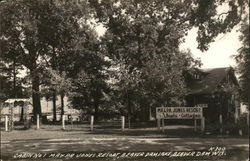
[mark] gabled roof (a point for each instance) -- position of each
(212, 77)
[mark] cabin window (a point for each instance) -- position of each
(197, 76)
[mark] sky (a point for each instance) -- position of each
(219, 53)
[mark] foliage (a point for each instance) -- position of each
(88, 72)
(211, 17)
(5, 83)
(143, 39)
(10, 84)
(243, 60)
(36, 32)
(56, 41)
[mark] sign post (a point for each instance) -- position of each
(123, 122)
(71, 121)
(63, 122)
(158, 124)
(202, 124)
(92, 123)
(6, 123)
(195, 125)
(37, 122)
(162, 122)
(221, 124)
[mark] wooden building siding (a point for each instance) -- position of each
(218, 88)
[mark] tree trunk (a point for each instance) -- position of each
(53, 64)
(35, 94)
(248, 106)
(96, 107)
(129, 108)
(62, 105)
(54, 106)
(14, 78)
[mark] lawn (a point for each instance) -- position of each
(77, 139)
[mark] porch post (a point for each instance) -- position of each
(248, 119)
(236, 116)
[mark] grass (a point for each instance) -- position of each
(78, 130)
(78, 138)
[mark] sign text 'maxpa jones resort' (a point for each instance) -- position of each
(179, 112)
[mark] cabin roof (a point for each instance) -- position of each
(208, 84)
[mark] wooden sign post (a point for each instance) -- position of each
(221, 124)
(123, 122)
(63, 122)
(159, 124)
(92, 123)
(163, 126)
(202, 124)
(195, 125)
(71, 121)
(37, 122)
(6, 123)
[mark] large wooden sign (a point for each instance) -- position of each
(179, 112)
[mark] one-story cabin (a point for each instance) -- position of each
(214, 89)
(22, 105)
(217, 90)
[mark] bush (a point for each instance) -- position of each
(231, 127)
(234, 128)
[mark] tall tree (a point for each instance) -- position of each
(243, 60)
(65, 24)
(145, 36)
(61, 84)
(10, 68)
(18, 29)
(88, 72)
(34, 30)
